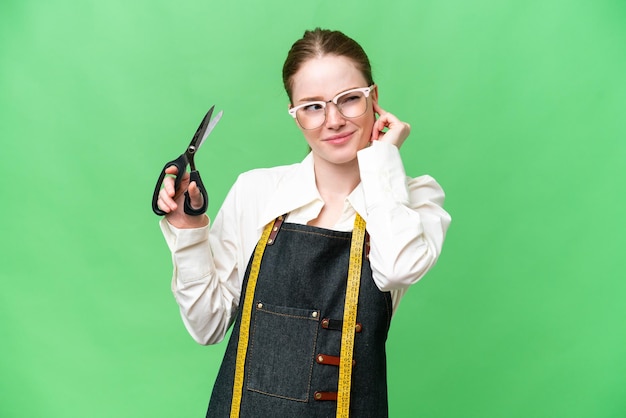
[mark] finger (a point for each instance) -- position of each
(195, 196)
(392, 129)
(169, 186)
(162, 206)
(171, 170)
(375, 133)
(166, 202)
(379, 126)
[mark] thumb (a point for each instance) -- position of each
(195, 197)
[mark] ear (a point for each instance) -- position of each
(374, 96)
(374, 93)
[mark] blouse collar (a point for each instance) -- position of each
(296, 188)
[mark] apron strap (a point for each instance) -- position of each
(244, 329)
(349, 318)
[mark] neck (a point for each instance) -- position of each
(336, 181)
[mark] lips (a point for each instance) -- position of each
(339, 138)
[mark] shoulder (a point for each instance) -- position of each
(266, 175)
(260, 181)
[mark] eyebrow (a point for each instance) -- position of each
(321, 99)
(311, 99)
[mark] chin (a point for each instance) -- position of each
(339, 157)
(339, 154)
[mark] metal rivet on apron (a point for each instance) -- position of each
(320, 358)
(259, 305)
(269, 241)
(318, 395)
(314, 314)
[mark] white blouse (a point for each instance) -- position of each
(404, 218)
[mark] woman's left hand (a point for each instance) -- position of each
(397, 131)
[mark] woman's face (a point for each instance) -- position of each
(339, 138)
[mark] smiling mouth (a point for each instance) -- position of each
(338, 138)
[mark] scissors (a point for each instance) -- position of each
(205, 128)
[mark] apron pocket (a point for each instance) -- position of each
(282, 351)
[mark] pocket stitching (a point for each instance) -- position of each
(314, 345)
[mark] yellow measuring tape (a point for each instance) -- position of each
(348, 328)
(349, 318)
(244, 328)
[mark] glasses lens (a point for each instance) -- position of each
(311, 116)
(352, 104)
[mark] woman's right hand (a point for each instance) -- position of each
(172, 202)
(397, 131)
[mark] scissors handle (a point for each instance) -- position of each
(194, 175)
(181, 165)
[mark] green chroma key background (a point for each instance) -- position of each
(517, 110)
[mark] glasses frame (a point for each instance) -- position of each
(365, 90)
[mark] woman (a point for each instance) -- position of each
(293, 300)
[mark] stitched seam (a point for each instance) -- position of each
(279, 396)
(308, 392)
(314, 345)
(317, 233)
(287, 315)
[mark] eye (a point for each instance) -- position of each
(313, 107)
(349, 98)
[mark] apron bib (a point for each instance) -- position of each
(292, 357)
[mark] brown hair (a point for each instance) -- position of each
(320, 42)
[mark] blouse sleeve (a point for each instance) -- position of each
(205, 281)
(405, 218)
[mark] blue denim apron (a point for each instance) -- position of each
(292, 367)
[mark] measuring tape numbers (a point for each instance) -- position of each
(244, 328)
(349, 318)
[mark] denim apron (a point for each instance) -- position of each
(292, 362)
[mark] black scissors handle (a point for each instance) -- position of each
(181, 165)
(194, 175)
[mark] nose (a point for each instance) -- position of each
(334, 118)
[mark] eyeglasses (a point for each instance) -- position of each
(351, 104)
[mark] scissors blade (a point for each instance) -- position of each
(201, 129)
(210, 127)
